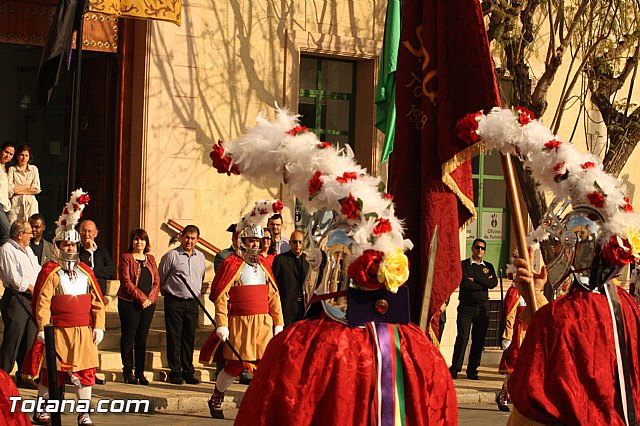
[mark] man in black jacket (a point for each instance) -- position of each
(95, 256)
(478, 276)
(290, 270)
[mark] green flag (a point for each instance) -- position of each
(386, 91)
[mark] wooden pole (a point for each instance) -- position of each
(517, 220)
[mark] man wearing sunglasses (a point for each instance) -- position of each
(478, 276)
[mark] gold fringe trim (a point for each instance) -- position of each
(432, 336)
(450, 165)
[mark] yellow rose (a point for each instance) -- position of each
(394, 270)
(633, 236)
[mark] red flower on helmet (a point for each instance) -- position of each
(617, 251)
(597, 199)
(83, 199)
(350, 207)
(627, 207)
(315, 184)
(364, 270)
(525, 116)
(324, 145)
(221, 162)
(552, 144)
(588, 165)
(382, 226)
(297, 130)
(387, 196)
(277, 206)
(347, 176)
(467, 128)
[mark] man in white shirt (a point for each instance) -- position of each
(6, 154)
(20, 268)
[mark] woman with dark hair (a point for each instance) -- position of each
(24, 184)
(267, 248)
(139, 288)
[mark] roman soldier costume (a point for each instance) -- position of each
(67, 296)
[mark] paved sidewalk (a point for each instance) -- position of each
(174, 399)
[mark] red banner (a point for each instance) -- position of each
(444, 72)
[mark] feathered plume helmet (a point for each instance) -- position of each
(324, 177)
(571, 175)
(260, 212)
(72, 212)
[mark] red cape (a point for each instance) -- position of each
(32, 361)
(566, 367)
(226, 274)
(321, 372)
(7, 389)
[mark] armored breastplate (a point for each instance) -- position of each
(252, 275)
(73, 284)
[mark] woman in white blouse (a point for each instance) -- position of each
(24, 184)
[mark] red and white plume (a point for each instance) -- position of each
(72, 211)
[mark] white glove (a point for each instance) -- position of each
(505, 344)
(277, 329)
(223, 333)
(40, 336)
(98, 335)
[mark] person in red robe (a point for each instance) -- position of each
(567, 366)
(514, 332)
(9, 417)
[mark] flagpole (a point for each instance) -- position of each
(517, 220)
(75, 102)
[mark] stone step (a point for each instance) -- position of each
(154, 360)
(203, 374)
(155, 341)
(113, 320)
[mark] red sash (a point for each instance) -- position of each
(249, 300)
(71, 311)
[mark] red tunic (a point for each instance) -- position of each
(566, 367)
(322, 372)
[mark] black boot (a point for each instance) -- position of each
(215, 404)
(502, 399)
(129, 379)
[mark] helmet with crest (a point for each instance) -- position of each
(66, 232)
(250, 227)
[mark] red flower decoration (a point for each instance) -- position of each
(347, 176)
(315, 184)
(76, 207)
(297, 130)
(466, 129)
(627, 207)
(63, 222)
(221, 162)
(324, 145)
(364, 270)
(525, 116)
(83, 199)
(558, 167)
(350, 207)
(597, 199)
(615, 254)
(552, 144)
(382, 226)
(277, 206)
(588, 165)
(387, 196)
(65, 211)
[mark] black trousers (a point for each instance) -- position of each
(474, 319)
(134, 329)
(181, 320)
(19, 330)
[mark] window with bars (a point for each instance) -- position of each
(327, 98)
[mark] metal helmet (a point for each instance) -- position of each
(575, 236)
(66, 261)
(329, 249)
(249, 255)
